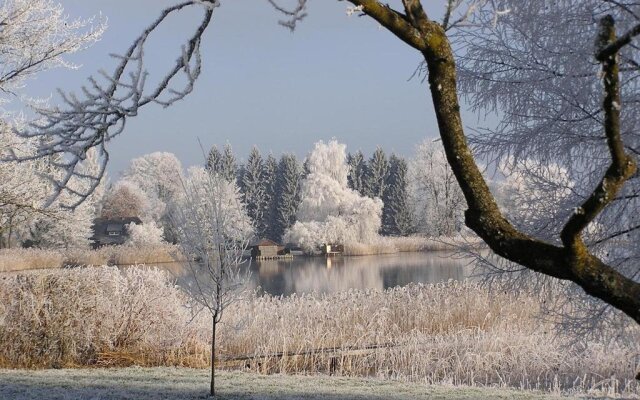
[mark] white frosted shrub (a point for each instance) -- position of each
(146, 234)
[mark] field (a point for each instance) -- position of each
(191, 384)
(453, 333)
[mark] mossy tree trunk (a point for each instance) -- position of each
(572, 261)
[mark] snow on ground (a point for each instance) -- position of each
(186, 384)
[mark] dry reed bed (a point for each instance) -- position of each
(456, 332)
(391, 245)
(27, 259)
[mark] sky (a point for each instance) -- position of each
(335, 77)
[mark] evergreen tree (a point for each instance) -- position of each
(228, 166)
(253, 190)
(269, 174)
(376, 176)
(396, 214)
(305, 168)
(357, 172)
(213, 159)
(287, 194)
(222, 163)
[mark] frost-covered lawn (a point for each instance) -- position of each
(183, 384)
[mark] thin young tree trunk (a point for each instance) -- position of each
(213, 359)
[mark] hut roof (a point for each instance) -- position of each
(265, 243)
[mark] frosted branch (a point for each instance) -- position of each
(100, 112)
(293, 14)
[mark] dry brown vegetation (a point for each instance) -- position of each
(458, 333)
(28, 259)
(390, 245)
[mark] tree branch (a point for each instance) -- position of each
(622, 165)
(613, 47)
(394, 21)
(483, 215)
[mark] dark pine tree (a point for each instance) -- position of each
(213, 160)
(376, 176)
(228, 166)
(269, 174)
(396, 215)
(253, 190)
(287, 194)
(357, 172)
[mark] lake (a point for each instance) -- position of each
(329, 275)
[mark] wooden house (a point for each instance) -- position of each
(111, 231)
(266, 249)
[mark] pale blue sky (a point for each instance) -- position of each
(336, 76)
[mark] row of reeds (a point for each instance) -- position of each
(20, 259)
(27, 259)
(459, 333)
(390, 245)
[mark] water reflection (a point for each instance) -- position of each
(304, 274)
(322, 275)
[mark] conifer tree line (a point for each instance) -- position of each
(384, 178)
(271, 188)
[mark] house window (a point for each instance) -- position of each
(114, 233)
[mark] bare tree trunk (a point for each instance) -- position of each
(213, 359)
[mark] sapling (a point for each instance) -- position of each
(213, 231)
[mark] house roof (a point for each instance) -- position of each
(115, 227)
(266, 242)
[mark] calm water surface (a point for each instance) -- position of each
(328, 275)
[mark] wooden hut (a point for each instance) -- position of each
(111, 231)
(266, 249)
(332, 249)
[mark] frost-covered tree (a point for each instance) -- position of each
(397, 218)
(436, 200)
(376, 174)
(330, 212)
(252, 186)
(125, 199)
(35, 36)
(561, 144)
(213, 230)
(357, 172)
(59, 227)
(159, 175)
(199, 183)
(532, 195)
(24, 190)
(21, 188)
(287, 194)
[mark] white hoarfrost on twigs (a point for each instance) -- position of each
(330, 212)
(147, 234)
(36, 35)
(437, 201)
